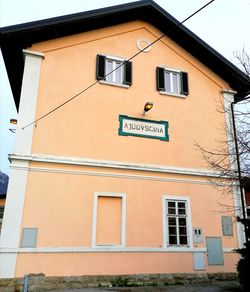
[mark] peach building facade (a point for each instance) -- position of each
(98, 186)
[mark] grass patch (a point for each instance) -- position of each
(172, 283)
(119, 282)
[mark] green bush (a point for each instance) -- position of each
(119, 282)
(243, 266)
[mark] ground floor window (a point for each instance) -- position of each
(176, 222)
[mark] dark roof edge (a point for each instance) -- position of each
(72, 17)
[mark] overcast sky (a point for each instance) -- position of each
(224, 25)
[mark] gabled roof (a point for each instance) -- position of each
(14, 39)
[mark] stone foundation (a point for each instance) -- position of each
(39, 283)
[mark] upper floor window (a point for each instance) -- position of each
(113, 70)
(171, 81)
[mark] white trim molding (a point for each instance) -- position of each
(228, 96)
(165, 198)
(27, 108)
(113, 175)
(112, 164)
(44, 250)
(173, 94)
(33, 53)
(123, 220)
(10, 235)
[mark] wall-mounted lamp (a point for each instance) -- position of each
(13, 122)
(147, 107)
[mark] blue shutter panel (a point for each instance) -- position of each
(214, 251)
(29, 237)
(160, 84)
(184, 83)
(199, 261)
(227, 225)
(100, 67)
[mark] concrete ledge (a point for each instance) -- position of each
(39, 282)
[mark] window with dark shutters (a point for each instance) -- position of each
(171, 81)
(113, 70)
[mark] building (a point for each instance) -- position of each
(2, 203)
(3, 190)
(98, 186)
(246, 186)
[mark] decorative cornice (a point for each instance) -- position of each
(106, 249)
(228, 91)
(51, 159)
(33, 53)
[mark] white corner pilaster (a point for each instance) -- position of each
(228, 99)
(27, 107)
(11, 229)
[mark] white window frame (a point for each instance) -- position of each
(123, 219)
(115, 60)
(171, 71)
(166, 198)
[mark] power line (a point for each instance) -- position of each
(122, 64)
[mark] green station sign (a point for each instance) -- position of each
(130, 126)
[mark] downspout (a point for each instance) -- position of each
(239, 169)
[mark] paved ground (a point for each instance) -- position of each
(222, 286)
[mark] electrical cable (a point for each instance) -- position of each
(122, 64)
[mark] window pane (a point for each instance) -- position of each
(175, 83)
(182, 222)
(171, 204)
(181, 205)
(182, 230)
(172, 221)
(183, 239)
(167, 81)
(181, 208)
(172, 230)
(109, 68)
(171, 208)
(172, 240)
(118, 72)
